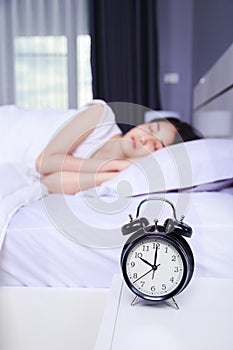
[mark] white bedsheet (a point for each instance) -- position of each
(37, 252)
(18, 187)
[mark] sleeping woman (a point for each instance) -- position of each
(91, 148)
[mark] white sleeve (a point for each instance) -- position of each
(104, 131)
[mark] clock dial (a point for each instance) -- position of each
(154, 267)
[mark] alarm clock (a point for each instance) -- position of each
(157, 262)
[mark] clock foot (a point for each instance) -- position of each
(134, 301)
(175, 303)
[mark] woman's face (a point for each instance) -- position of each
(147, 138)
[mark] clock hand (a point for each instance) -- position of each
(155, 259)
(146, 262)
(154, 269)
(156, 253)
(143, 275)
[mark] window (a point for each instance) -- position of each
(41, 71)
(45, 53)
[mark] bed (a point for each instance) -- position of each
(75, 240)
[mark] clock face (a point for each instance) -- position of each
(154, 268)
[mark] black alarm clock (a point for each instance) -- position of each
(157, 262)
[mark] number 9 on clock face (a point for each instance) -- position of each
(156, 267)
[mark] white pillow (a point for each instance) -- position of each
(179, 166)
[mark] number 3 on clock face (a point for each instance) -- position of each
(156, 268)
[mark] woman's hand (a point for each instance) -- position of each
(72, 182)
(114, 165)
(69, 163)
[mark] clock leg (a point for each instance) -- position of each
(134, 301)
(175, 303)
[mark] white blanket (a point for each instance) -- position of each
(18, 187)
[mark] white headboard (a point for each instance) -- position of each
(213, 99)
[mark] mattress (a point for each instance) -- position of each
(76, 241)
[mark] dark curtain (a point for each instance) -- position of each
(124, 54)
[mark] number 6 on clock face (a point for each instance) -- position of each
(156, 267)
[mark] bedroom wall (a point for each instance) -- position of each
(193, 34)
(212, 33)
(175, 48)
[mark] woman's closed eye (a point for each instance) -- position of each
(151, 128)
(154, 130)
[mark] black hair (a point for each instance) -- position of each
(185, 131)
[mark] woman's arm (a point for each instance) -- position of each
(57, 155)
(66, 162)
(64, 173)
(73, 182)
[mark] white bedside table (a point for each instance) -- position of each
(50, 318)
(204, 320)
